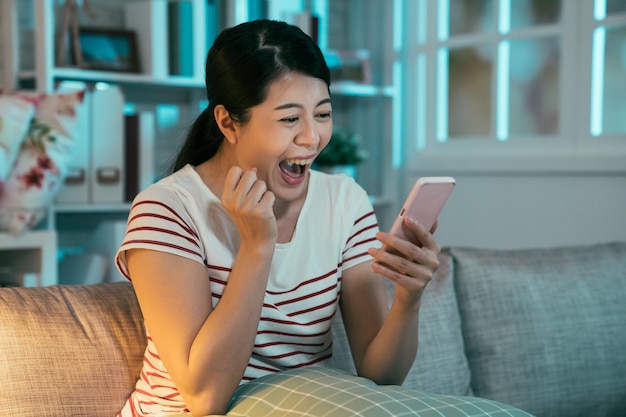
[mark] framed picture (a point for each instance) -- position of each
(349, 65)
(107, 49)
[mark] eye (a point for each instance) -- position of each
(325, 115)
(289, 119)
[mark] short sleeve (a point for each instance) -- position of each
(159, 220)
(364, 228)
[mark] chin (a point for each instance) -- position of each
(291, 190)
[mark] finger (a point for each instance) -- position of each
(398, 246)
(424, 237)
(243, 188)
(255, 195)
(267, 202)
(233, 176)
(417, 228)
(411, 282)
(407, 262)
(404, 256)
(434, 228)
(397, 261)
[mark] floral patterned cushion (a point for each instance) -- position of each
(16, 112)
(42, 161)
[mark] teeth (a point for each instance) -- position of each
(299, 161)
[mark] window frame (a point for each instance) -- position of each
(572, 149)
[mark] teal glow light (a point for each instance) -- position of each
(442, 95)
(242, 11)
(396, 120)
(421, 102)
(422, 19)
(599, 9)
(167, 115)
(597, 80)
(396, 131)
(397, 25)
(504, 20)
(443, 29)
(502, 106)
(129, 108)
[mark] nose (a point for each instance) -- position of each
(309, 136)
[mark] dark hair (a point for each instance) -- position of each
(243, 61)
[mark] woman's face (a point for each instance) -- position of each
(285, 133)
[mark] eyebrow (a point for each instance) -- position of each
(291, 105)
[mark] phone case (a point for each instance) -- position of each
(424, 202)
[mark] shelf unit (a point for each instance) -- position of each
(29, 259)
(366, 109)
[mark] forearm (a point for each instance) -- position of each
(391, 353)
(222, 348)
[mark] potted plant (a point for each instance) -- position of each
(342, 154)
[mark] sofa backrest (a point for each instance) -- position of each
(545, 329)
(69, 350)
(539, 329)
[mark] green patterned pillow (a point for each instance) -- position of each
(317, 391)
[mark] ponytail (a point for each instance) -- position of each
(202, 142)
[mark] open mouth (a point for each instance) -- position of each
(294, 168)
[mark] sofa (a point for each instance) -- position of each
(540, 330)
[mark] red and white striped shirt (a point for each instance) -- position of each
(180, 215)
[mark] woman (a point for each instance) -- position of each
(241, 256)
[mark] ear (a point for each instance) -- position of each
(225, 123)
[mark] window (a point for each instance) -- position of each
(608, 93)
(514, 78)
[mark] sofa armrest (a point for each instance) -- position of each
(69, 350)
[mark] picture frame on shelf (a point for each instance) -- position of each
(349, 65)
(107, 49)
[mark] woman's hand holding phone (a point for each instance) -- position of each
(409, 256)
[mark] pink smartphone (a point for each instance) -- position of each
(424, 203)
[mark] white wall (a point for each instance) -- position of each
(528, 210)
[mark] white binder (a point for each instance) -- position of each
(107, 144)
(76, 188)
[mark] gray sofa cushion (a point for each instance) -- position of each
(545, 330)
(69, 350)
(440, 366)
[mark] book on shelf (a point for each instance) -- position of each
(180, 37)
(139, 141)
(309, 23)
(149, 21)
(170, 35)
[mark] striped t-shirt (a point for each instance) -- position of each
(180, 215)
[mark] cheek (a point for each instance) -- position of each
(264, 151)
(325, 135)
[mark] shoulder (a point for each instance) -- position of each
(172, 193)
